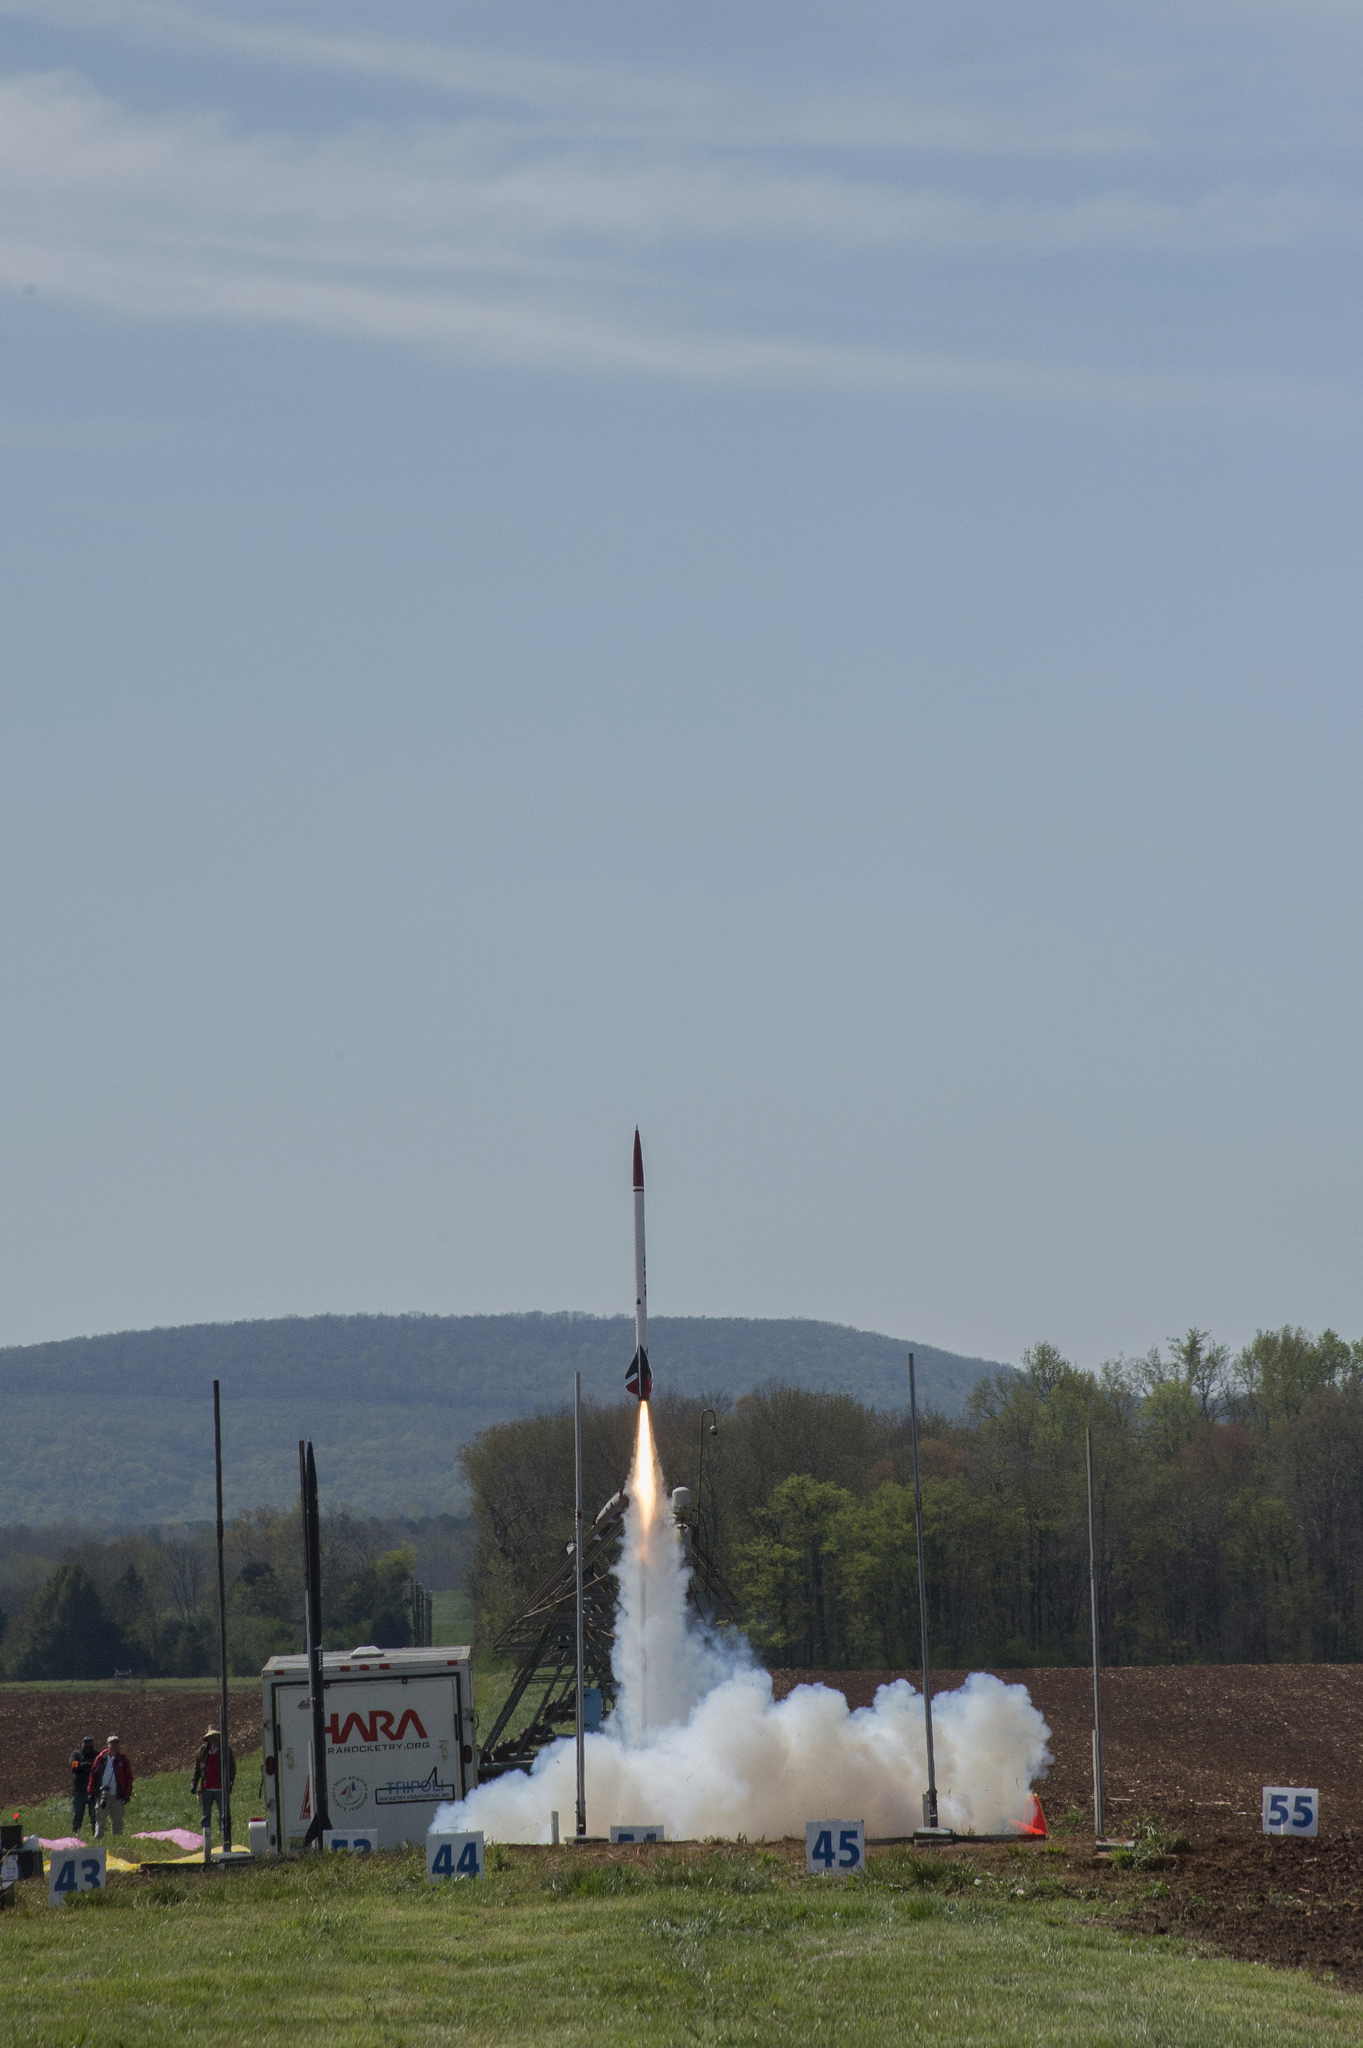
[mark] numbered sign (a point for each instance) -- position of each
(454, 1856)
(833, 1845)
(354, 1842)
(1291, 1810)
(73, 1871)
(640, 1831)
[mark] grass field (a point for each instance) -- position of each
(680, 1946)
(163, 1801)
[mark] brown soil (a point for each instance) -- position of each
(1192, 1747)
(160, 1731)
(1193, 1744)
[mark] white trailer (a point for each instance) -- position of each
(400, 1741)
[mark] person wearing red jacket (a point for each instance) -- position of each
(110, 1787)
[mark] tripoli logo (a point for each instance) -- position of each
(376, 1727)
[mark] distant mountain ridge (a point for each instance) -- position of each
(118, 1428)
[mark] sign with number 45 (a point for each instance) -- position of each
(1291, 1810)
(834, 1845)
(454, 1856)
(69, 1874)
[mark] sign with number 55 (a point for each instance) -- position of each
(834, 1845)
(1291, 1810)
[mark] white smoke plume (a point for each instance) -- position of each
(698, 1742)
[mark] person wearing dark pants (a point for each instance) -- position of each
(82, 1761)
(208, 1783)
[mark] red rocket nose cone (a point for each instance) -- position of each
(638, 1161)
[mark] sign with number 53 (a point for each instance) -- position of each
(834, 1845)
(1291, 1810)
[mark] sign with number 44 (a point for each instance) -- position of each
(1291, 1810)
(454, 1856)
(834, 1845)
(69, 1874)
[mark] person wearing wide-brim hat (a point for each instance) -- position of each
(208, 1782)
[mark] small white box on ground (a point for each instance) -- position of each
(258, 1837)
(640, 1831)
(76, 1870)
(834, 1845)
(351, 1841)
(450, 1856)
(1291, 1810)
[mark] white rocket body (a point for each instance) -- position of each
(640, 1276)
(639, 1378)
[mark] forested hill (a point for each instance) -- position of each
(120, 1428)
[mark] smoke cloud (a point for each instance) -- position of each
(698, 1742)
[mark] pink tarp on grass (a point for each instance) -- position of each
(183, 1838)
(62, 1842)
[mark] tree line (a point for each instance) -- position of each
(146, 1601)
(1229, 1510)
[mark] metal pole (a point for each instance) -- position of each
(581, 1620)
(930, 1796)
(700, 1466)
(224, 1746)
(1099, 1822)
(312, 1544)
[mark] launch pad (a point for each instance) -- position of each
(544, 1640)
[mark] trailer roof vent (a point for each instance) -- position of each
(366, 1650)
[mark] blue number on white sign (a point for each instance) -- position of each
(822, 1852)
(850, 1853)
(1291, 1810)
(65, 1879)
(444, 1861)
(467, 1866)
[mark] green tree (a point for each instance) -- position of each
(65, 1632)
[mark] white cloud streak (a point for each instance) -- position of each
(503, 237)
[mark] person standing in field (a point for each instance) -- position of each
(208, 1782)
(110, 1786)
(81, 1761)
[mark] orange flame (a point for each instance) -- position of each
(645, 1469)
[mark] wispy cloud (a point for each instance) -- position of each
(585, 219)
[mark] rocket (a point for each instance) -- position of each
(639, 1380)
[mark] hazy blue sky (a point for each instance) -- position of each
(788, 572)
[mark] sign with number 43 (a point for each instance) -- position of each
(1291, 1810)
(834, 1845)
(454, 1856)
(69, 1874)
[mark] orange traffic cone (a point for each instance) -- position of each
(1034, 1828)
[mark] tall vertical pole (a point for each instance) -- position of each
(224, 1768)
(930, 1796)
(1099, 1825)
(312, 1557)
(580, 1685)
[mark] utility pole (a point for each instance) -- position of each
(224, 1746)
(581, 1618)
(930, 1796)
(1099, 1823)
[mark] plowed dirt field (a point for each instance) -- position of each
(1191, 1743)
(160, 1731)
